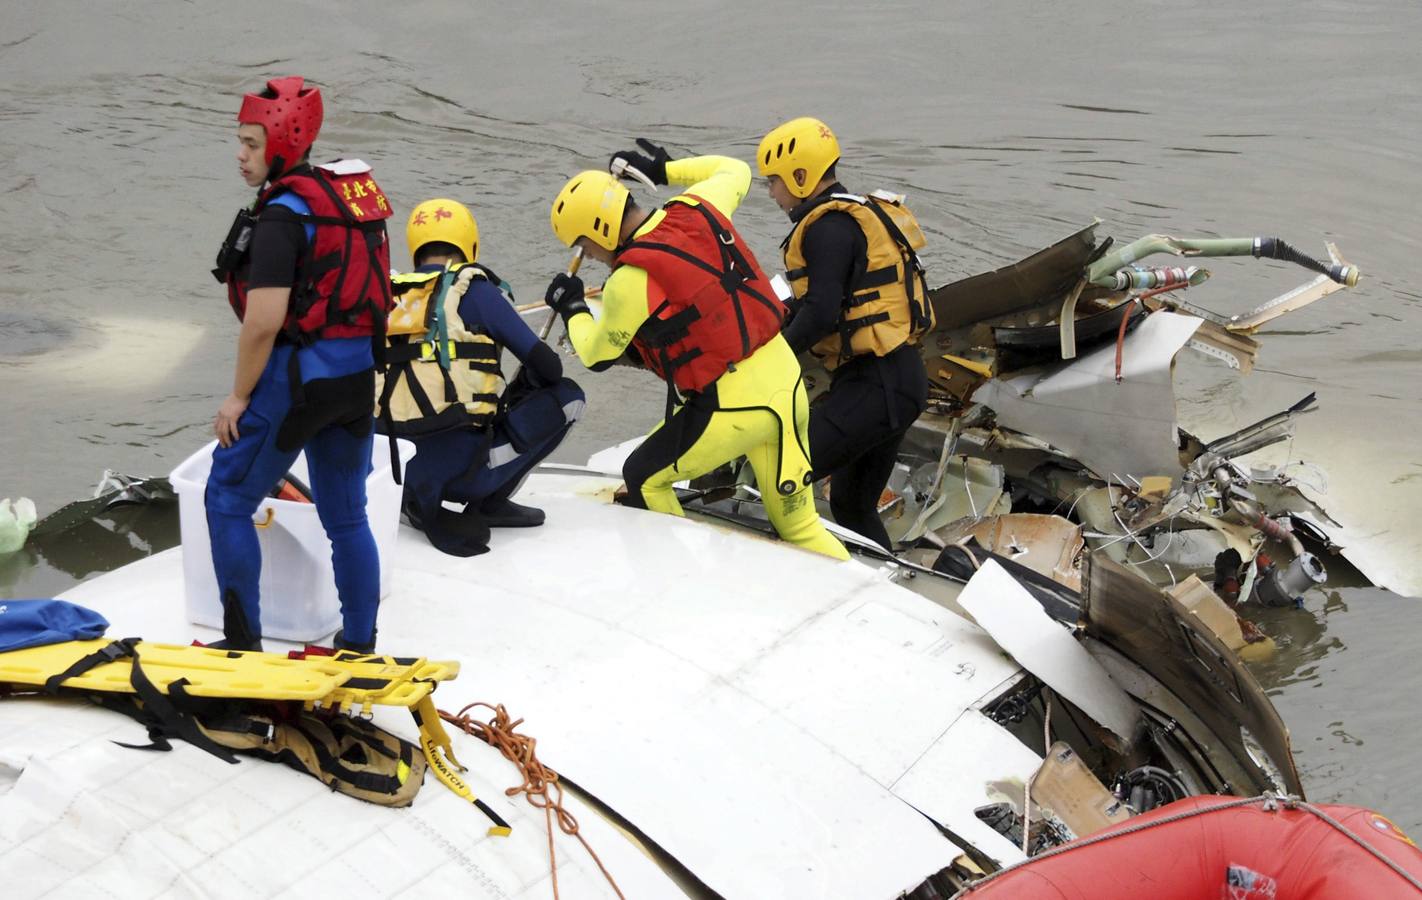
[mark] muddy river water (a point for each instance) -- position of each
(1008, 124)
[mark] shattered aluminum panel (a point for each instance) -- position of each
(1048, 545)
(1114, 429)
(1289, 301)
(1005, 610)
(1043, 276)
(1156, 632)
(961, 772)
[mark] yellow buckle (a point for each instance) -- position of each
(427, 350)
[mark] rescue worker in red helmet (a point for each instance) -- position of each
(860, 305)
(476, 438)
(307, 273)
(687, 297)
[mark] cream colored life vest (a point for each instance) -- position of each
(438, 375)
(888, 303)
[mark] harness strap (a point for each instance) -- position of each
(877, 278)
(106, 654)
(912, 271)
(373, 234)
(426, 351)
(392, 377)
(331, 764)
(372, 226)
(170, 716)
(734, 274)
(434, 741)
(732, 256)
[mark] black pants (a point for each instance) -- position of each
(856, 430)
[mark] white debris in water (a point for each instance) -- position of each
(16, 520)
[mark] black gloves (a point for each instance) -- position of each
(652, 162)
(565, 294)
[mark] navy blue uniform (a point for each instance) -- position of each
(484, 467)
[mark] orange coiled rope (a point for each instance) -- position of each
(520, 749)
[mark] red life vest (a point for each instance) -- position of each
(343, 285)
(719, 307)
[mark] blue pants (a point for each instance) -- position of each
(467, 466)
(242, 476)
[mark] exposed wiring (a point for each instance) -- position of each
(1134, 536)
(1027, 786)
(1076, 498)
(968, 488)
(1320, 487)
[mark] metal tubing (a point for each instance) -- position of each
(1254, 514)
(1103, 271)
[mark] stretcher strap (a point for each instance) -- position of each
(434, 740)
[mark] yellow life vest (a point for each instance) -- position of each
(888, 303)
(438, 374)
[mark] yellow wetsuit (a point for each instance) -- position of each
(757, 408)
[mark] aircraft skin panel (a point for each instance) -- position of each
(745, 703)
(1115, 429)
(973, 765)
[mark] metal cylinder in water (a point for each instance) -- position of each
(1286, 586)
(1303, 573)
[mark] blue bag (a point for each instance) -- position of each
(32, 623)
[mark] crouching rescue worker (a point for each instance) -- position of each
(688, 299)
(860, 306)
(443, 388)
(307, 275)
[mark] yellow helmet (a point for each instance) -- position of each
(448, 221)
(590, 205)
(802, 143)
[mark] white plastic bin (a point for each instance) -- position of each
(298, 588)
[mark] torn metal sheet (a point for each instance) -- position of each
(1048, 545)
(1114, 429)
(1033, 281)
(1205, 605)
(1297, 298)
(1065, 789)
(1238, 351)
(961, 487)
(1005, 610)
(958, 774)
(1152, 629)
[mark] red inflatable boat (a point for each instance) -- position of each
(1203, 848)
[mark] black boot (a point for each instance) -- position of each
(237, 633)
(504, 513)
(459, 533)
(340, 643)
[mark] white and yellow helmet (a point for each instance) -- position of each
(590, 205)
(802, 143)
(446, 221)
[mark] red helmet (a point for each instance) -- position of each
(291, 114)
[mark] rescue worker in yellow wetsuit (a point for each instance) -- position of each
(689, 301)
(860, 306)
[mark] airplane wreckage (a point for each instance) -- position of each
(1051, 425)
(1036, 667)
